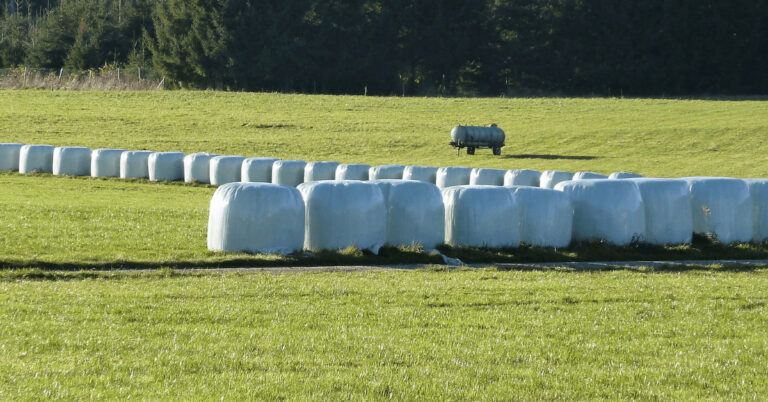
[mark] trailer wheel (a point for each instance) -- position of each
(470, 150)
(497, 150)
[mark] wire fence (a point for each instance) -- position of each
(120, 79)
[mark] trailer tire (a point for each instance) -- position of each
(470, 150)
(497, 150)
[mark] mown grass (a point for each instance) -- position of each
(430, 334)
(654, 137)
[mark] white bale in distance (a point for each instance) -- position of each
(721, 207)
(487, 177)
(758, 191)
(481, 216)
(225, 169)
(135, 164)
(452, 176)
(668, 218)
(106, 162)
(386, 172)
(522, 177)
(197, 167)
(9, 156)
(36, 158)
(257, 170)
(352, 171)
(321, 170)
(611, 210)
(256, 218)
(624, 175)
(550, 178)
(288, 172)
(584, 175)
(420, 173)
(415, 213)
(546, 216)
(343, 213)
(74, 161)
(166, 166)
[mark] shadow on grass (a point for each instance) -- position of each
(545, 156)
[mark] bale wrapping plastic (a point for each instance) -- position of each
(546, 216)
(257, 169)
(288, 172)
(722, 208)
(36, 158)
(74, 161)
(584, 175)
(758, 191)
(321, 170)
(624, 175)
(135, 164)
(487, 177)
(197, 167)
(344, 213)
(611, 210)
(668, 218)
(256, 218)
(522, 177)
(386, 172)
(106, 162)
(420, 173)
(225, 169)
(550, 178)
(452, 176)
(166, 166)
(481, 216)
(415, 213)
(352, 171)
(9, 156)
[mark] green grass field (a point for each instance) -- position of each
(481, 334)
(69, 332)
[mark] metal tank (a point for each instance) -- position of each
(473, 137)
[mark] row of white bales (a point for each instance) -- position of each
(400, 205)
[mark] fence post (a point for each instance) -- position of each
(60, 73)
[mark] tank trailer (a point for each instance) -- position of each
(473, 137)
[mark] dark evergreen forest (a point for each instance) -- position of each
(411, 47)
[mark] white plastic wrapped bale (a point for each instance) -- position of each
(546, 216)
(584, 175)
(225, 169)
(257, 170)
(721, 207)
(197, 167)
(135, 164)
(758, 191)
(321, 170)
(415, 213)
(74, 161)
(386, 172)
(166, 166)
(288, 172)
(481, 216)
(343, 213)
(106, 162)
(352, 171)
(611, 210)
(668, 218)
(9, 156)
(550, 178)
(420, 173)
(522, 177)
(36, 158)
(623, 175)
(487, 177)
(452, 176)
(256, 218)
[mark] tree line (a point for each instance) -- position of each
(410, 47)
